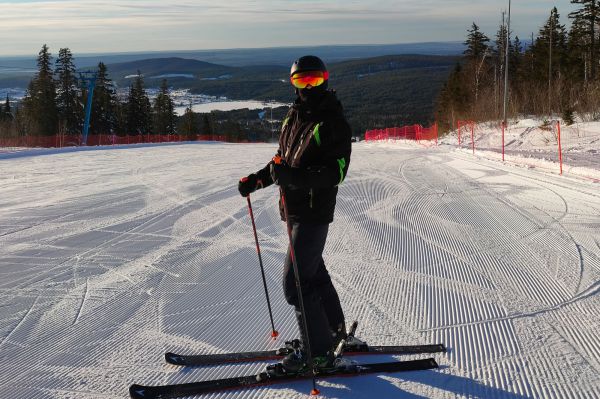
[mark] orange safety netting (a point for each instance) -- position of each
(59, 141)
(410, 132)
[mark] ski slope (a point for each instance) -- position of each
(110, 257)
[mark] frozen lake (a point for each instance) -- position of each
(228, 106)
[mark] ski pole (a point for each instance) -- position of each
(314, 391)
(274, 333)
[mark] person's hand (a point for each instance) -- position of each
(281, 174)
(248, 184)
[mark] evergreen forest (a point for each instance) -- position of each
(554, 75)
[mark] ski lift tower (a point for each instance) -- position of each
(90, 78)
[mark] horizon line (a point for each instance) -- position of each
(240, 48)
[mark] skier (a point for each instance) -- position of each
(312, 160)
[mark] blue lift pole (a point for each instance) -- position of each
(88, 108)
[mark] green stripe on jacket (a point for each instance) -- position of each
(342, 165)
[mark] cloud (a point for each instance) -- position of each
(102, 25)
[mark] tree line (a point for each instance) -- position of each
(55, 102)
(556, 75)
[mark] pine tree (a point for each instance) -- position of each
(21, 122)
(5, 119)
(477, 43)
(499, 53)
(188, 124)
(515, 59)
(500, 48)
(516, 64)
(139, 110)
(478, 60)
(172, 125)
(207, 129)
(550, 49)
(70, 108)
(120, 112)
(40, 113)
(579, 50)
(590, 13)
(104, 104)
(164, 111)
(515, 53)
(6, 112)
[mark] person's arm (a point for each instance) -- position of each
(264, 175)
(256, 181)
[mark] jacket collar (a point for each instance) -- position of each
(329, 104)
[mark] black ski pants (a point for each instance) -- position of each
(321, 302)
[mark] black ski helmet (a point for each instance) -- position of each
(309, 63)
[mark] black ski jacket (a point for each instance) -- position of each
(316, 142)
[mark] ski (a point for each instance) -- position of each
(250, 381)
(273, 355)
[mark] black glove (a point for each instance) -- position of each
(282, 174)
(249, 184)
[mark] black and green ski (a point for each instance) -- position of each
(250, 381)
(278, 354)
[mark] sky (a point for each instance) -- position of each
(101, 26)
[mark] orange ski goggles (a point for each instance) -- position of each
(311, 78)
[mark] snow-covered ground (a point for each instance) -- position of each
(108, 258)
(534, 143)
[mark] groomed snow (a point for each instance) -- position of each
(110, 257)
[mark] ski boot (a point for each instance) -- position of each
(293, 364)
(352, 343)
(296, 363)
(290, 347)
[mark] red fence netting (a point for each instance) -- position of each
(550, 145)
(59, 140)
(410, 132)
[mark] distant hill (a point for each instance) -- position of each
(14, 80)
(166, 66)
(179, 72)
(376, 92)
(392, 90)
(282, 56)
(201, 77)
